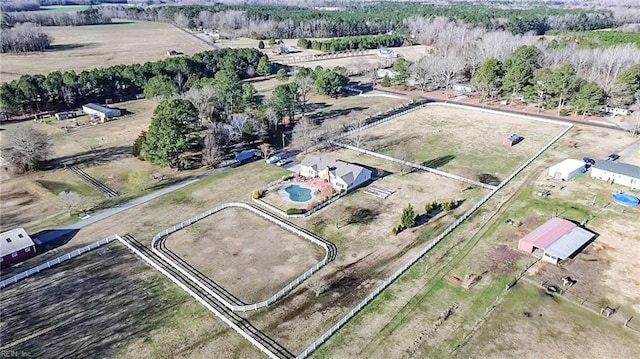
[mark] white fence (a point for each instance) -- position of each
(415, 165)
(55, 261)
(311, 348)
(243, 308)
(301, 215)
(200, 300)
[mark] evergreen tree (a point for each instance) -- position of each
(168, 136)
(408, 219)
(589, 98)
(282, 76)
(160, 87)
(261, 44)
(264, 66)
(488, 78)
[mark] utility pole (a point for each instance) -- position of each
(283, 144)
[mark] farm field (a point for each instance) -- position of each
(249, 256)
(63, 8)
(107, 301)
(406, 314)
(464, 142)
(551, 328)
(87, 47)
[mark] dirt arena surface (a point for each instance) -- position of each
(460, 141)
(87, 47)
(244, 253)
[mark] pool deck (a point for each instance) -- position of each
(319, 188)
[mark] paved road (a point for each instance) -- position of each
(144, 199)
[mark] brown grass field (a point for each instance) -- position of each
(87, 47)
(244, 253)
(103, 303)
(460, 141)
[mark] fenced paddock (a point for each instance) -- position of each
(88, 306)
(222, 257)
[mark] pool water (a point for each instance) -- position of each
(298, 194)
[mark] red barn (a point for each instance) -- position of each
(555, 240)
(15, 246)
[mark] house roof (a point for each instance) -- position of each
(96, 107)
(570, 243)
(618, 168)
(568, 165)
(13, 241)
(545, 235)
(346, 171)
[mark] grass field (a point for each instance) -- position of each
(460, 141)
(67, 8)
(101, 303)
(87, 47)
(247, 255)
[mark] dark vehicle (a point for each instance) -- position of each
(246, 156)
(613, 157)
(589, 161)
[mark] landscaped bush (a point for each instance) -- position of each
(447, 206)
(287, 177)
(258, 194)
(431, 206)
(397, 229)
(292, 211)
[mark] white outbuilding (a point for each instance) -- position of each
(102, 112)
(566, 169)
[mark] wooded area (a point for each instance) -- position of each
(63, 90)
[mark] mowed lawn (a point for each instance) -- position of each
(465, 142)
(87, 47)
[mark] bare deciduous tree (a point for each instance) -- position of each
(265, 149)
(204, 99)
(28, 149)
(305, 84)
(70, 200)
(405, 154)
(358, 138)
(272, 117)
(302, 133)
(24, 38)
(212, 150)
(317, 286)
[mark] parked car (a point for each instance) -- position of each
(283, 162)
(589, 161)
(613, 157)
(273, 159)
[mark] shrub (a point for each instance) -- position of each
(432, 206)
(258, 194)
(397, 229)
(447, 206)
(292, 211)
(261, 45)
(287, 177)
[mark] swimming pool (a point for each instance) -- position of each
(298, 194)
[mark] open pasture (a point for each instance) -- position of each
(249, 256)
(107, 303)
(530, 324)
(464, 142)
(87, 47)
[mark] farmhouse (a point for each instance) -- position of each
(102, 112)
(15, 246)
(342, 175)
(566, 169)
(555, 240)
(617, 172)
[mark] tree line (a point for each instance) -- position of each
(24, 38)
(64, 90)
(19, 5)
(353, 43)
(91, 16)
(216, 113)
(370, 19)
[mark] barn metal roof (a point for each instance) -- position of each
(570, 243)
(568, 165)
(13, 241)
(544, 236)
(618, 167)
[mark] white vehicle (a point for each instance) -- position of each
(283, 162)
(273, 159)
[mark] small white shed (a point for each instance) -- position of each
(566, 169)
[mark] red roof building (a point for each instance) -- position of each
(555, 240)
